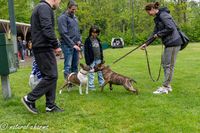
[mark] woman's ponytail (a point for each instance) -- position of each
(149, 6)
(156, 5)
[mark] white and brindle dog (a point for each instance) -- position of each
(79, 79)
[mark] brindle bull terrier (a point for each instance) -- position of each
(112, 77)
(79, 79)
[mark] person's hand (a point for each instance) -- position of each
(57, 51)
(155, 36)
(143, 46)
(77, 48)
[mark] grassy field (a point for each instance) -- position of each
(119, 110)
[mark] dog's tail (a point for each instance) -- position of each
(132, 80)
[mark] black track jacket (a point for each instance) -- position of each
(42, 28)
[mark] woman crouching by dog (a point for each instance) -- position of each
(166, 29)
(93, 55)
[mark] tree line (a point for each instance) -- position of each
(118, 18)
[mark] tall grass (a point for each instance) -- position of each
(119, 110)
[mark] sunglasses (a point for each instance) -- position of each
(95, 32)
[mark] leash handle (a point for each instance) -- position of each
(80, 52)
(150, 40)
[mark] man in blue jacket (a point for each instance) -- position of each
(45, 46)
(70, 38)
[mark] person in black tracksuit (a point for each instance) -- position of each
(166, 29)
(44, 45)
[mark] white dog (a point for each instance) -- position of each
(80, 79)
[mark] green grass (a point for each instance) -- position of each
(119, 110)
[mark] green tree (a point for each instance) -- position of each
(114, 17)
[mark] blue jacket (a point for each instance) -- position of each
(166, 28)
(68, 29)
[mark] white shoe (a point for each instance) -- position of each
(161, 90)
(169, 88)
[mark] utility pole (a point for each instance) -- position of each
(5, 78)
(13, 28)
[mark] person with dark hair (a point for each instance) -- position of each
(45, 46)
(93, 55)
(166, 29)
(70, 38)
(29, 48)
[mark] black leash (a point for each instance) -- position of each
(149, 68)
(147, 57)
(149, 40)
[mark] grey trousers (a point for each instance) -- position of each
(168, 63)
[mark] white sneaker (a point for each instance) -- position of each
(169, 88)
(161, 90)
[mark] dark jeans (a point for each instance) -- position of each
(71, 60)
(47, 64)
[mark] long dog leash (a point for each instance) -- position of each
(149, 40)
(149, 68)
(147, 57)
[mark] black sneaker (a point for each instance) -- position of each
(29, 105)
(54, 109)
